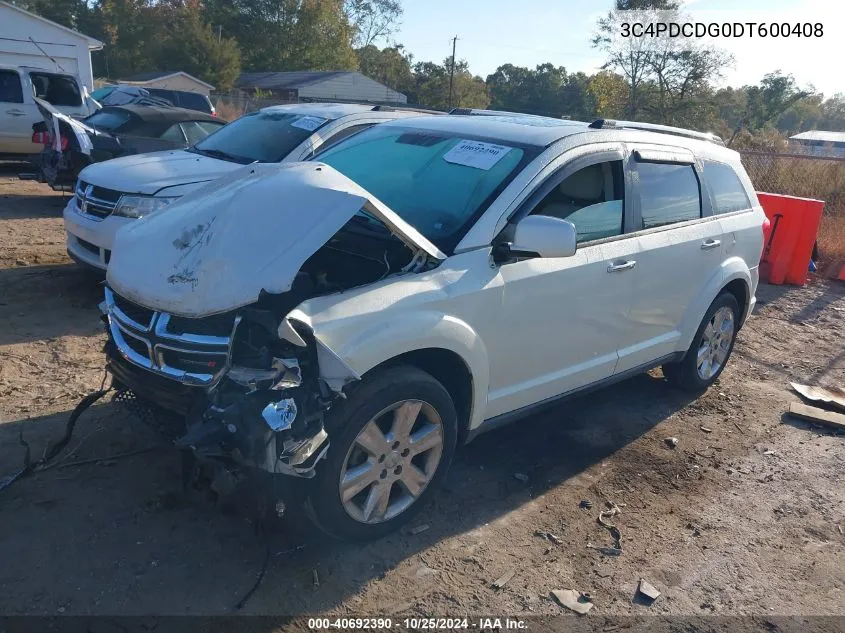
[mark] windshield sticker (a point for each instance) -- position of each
(476, 154)
(309, 123)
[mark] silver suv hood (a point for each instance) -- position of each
(217, 248)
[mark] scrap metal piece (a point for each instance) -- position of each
(280, 415)
(833, 396)
(573, 600)
(648, 590)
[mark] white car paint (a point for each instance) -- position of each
(532, 329)
(90, 239)
(224, 230)
(16, 119)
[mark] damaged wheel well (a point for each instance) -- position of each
(450, 370)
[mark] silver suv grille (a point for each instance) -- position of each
(95, 202)
(192, 351)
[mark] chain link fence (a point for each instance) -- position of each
(805, 176)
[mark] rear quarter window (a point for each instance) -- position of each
(57, 90)
(11, 90)
(194, 101)
(726, 189)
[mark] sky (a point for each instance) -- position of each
(532, 32)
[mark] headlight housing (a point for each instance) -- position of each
(139, 206)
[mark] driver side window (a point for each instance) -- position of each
(591, 198)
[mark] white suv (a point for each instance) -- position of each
(111, 194)
(349, 321)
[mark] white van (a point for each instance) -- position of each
(111, 194)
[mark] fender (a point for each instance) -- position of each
(731, 269)
(389, 337)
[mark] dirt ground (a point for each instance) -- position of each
(745, 516)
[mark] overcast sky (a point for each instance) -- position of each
(531, 32)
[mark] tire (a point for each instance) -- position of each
(384, 400)
(686, 373)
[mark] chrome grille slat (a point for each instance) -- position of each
(160, 342)
(94, 207)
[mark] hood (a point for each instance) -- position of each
(150, 173)
(217, 248)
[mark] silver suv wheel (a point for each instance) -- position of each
(715, 343)
(391, 461)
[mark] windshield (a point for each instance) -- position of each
(266, 137)
(437, 182)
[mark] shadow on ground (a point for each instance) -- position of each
(115, 538)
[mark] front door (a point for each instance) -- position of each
(561, 317)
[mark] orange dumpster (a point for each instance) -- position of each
(789, 238)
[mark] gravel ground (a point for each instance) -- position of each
(744, 516)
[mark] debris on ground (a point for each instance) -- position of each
(834, 396)
(672, 442)
(770, 452)
(616, 550)
(504, 579)
(696, 531)
(521, 477)
(705, 429)
(739, 428)
(648, 590)
(819, 416)
(549, 536)
(419, 529)
(316, 578)
(576, 601)
(585, 504)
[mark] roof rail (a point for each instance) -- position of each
(608, 124)
(402, 108)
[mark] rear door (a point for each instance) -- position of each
(679, 250)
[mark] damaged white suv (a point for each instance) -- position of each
(346, 323)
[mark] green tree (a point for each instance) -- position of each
(391, 66)
(432, 86)
(372, 20)
(189, 43)
(609, 94)
(764, 103)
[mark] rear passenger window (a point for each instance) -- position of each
(57, 90)
(591, 198)
(11, 90)
(668, 194)
(725, 188)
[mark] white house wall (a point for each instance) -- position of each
(351, 87)
(71, 52)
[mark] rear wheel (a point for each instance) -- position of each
(711, 347)
(392, 441)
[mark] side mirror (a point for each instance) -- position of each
(544, 235)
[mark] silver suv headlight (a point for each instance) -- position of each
(139, 206)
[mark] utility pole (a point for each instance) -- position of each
(219, 32)
(452, 71)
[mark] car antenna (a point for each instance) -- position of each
(43, 52)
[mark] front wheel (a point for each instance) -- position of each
(392, 441)
(711, 347)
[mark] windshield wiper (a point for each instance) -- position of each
(219, 153)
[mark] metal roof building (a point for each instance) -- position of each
(320, 86)
(820, 143)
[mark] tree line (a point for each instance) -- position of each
(656, 81)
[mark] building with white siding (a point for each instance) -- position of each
(29, 40)
(346, 86)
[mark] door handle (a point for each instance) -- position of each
(16, 112)
(615, 268)
(708, 244)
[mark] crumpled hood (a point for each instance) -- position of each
(215, 249)
(149, 173)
